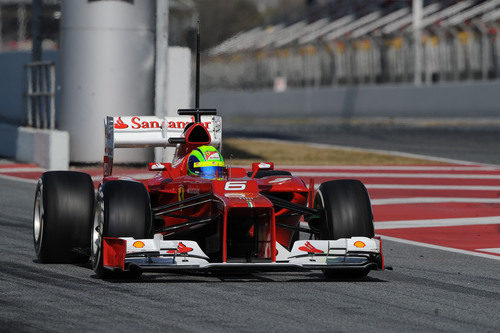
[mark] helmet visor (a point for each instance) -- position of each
(211, 170)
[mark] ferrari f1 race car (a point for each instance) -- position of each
(176, 221)
(197, 214)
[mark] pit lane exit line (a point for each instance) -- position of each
(432, 187)
(388, 168)
(394, 175)
(419, 200)
(439, 247)
(17, 169)
(492, 250)
(403, 224)
(429, 187)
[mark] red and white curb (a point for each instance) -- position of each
(453, 207)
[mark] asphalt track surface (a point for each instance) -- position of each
(427, 290)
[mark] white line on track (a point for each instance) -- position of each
(32, 169)
(432, 187)
(391, 167)
(419, 200)
(429, 187)
(491, 250)
(438, 247)
(131, 175)
(393, 175)
(19, 179)
(437, 222)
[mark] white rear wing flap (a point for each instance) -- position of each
(151, 131)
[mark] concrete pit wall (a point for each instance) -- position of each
(474, 99)
(47, 148)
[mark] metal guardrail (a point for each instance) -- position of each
(459, 53)
(40, 93)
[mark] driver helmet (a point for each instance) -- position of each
(205, 162)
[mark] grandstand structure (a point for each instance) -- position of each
(364, 44)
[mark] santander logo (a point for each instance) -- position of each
(119, 124)
(181, 248)
(309, 248)
(137, 123)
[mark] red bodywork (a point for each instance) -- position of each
(245, 221)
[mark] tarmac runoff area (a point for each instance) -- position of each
(441, 229)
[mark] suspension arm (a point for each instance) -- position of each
(303, 210)
(186, 224)
(175, 205)
(298, 228)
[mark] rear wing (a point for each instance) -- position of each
(150, 131)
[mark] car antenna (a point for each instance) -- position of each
(197, 112)
(197, 85)
(230, 165)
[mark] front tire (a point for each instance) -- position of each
(345, 212)
(123, 210)
(62, 216)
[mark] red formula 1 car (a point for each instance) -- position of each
(174, 221)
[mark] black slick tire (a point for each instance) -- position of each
(345, 212)
(62, 217)
(123, 210)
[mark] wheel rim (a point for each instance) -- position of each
(38, 216)
(97, 228)
(320, 205)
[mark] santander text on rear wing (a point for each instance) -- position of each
(151, 131)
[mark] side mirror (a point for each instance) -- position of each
(261, 166)
(160, 166)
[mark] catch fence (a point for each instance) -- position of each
(459, 42)
(39, 96)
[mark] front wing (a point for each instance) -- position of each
(157, 255)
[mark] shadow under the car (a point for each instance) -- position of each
(239, 278)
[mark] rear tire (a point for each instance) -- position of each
(345, 212)
(123, 210)
(62, 217)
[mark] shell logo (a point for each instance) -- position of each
(359, 244)
(139, 244)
